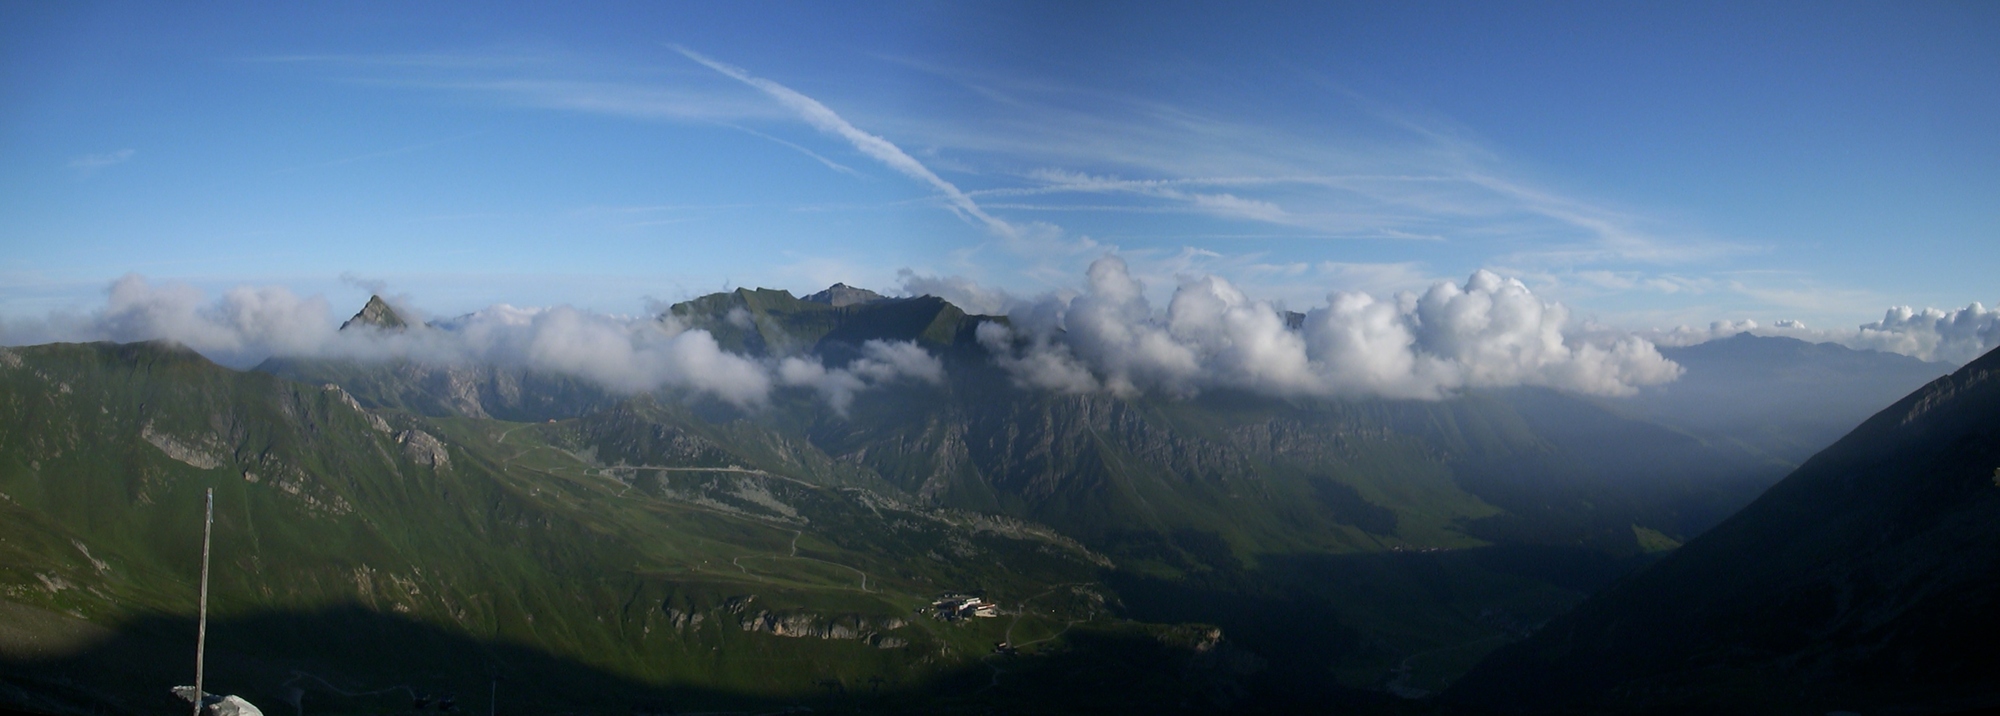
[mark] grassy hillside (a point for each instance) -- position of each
(358, 550)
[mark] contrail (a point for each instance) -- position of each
(826, 120)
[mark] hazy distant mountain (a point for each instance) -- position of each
(1867, 580)
(1783, 396)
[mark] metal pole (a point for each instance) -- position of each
(201, 633)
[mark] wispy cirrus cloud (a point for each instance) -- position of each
(1808, 296)
(569, 83)
(1610, 235)
(1418, 181)
(1391, 174)
(829, 163)
(398, 151)
(89, 164)
(623, 98)
(561, 82)
(824, 119)
(1219, 204)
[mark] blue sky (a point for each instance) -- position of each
(1645, 164)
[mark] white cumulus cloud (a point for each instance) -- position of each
(1956, 336)
(881, 362)
(242, 326)
(1490, 332)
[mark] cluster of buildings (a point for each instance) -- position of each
(953, 607)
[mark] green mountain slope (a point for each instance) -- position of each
(358, 550)
(1864, 581)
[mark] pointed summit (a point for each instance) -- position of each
(378, 314)
(841, 294)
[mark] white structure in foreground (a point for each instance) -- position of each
(219, 705)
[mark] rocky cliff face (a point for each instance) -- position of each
(807, 625)
(423, 448)
(743, 613)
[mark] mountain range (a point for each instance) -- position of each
(1228, 550)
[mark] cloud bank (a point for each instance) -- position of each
(1490, 332)
(624, 354)
(1487, 332)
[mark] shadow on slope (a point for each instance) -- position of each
(1350, 630)
(1865, 580)
(344, 660)
(355, 660)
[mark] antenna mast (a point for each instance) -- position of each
(201, 633)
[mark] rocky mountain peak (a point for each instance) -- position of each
(379, 314)
(841, 294)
